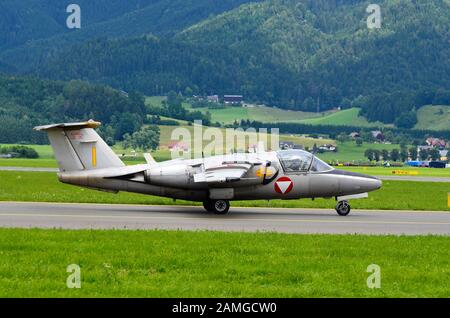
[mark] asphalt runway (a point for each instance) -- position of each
(398, 178)
(106, 216)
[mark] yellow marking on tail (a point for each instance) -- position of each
(94, 156)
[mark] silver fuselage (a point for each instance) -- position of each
(175, 179)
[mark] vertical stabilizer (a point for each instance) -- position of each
(77, 146)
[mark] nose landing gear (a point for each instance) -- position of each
(343, 208)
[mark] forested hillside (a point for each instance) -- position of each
(33, 29)
(296, 54)
(26, 102)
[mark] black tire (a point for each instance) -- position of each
(343, 208)
(208, 206)
(220, 206)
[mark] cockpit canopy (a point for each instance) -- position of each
(301, 161)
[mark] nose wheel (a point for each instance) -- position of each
(343, 208)
(217, 206)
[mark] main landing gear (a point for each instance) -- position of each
(217, 206)
(343, 208)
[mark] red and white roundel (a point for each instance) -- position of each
(284, 185)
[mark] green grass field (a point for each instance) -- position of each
(217, 264)
(44, 151)
(394, 195)
(231, 114)
(260, 113)
(349, 151)
(271, 114)
(433, 117)
(343, 118)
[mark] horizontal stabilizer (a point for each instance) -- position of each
(86, 124)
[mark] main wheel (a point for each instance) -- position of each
(217, 206)
(208, 206)
(343, 208)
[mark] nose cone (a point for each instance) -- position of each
(354, 183)
(371, 184)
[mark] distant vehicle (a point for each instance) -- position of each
(437, 164)
(417, 163)
(85, 160)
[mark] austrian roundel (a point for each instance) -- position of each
(284, 185)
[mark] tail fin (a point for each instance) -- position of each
(77, 146)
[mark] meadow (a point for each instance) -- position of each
(157, 263)
(435, 117)
(349, 151)
(262, 113)
(394, 195)
(343, 118)
(230, 114)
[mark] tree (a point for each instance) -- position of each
(385, 154)
(107, 132)
(406, 120)
(342, 137)
(20, 151)
(359, 142)
(442, 97)
(413, 153)
(376, 155)
(403, 154)
(309, 104)
(434, 154)
(423, 154)
(188, 91)
(136, 103)
(369, 154)
(147, 138)
(395, 154)
(346, 103)
(174, 105)
(126, 123)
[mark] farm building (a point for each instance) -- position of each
(233, 99)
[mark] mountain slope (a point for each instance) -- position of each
(33, 27)
(296, 54)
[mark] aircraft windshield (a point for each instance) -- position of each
(299, 160)
(295, 160)
(318, 165)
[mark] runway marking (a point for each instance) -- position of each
(221, 219)
(286, 209)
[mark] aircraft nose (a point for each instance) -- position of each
(356, 182)
(373, 184)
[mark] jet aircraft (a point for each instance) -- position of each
(85, 160)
